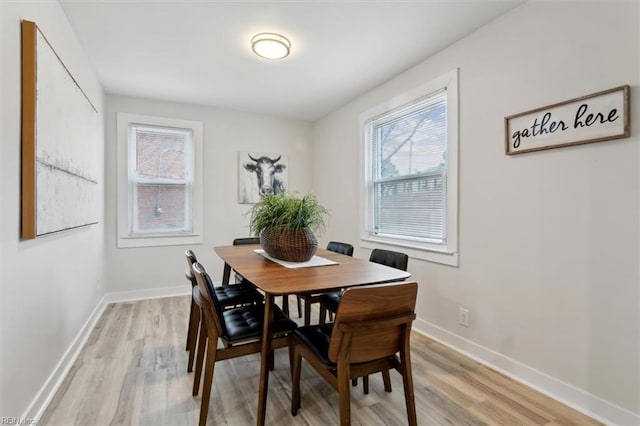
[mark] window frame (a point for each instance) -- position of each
(440, 253)
(128, 236)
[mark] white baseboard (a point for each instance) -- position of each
(151, 293)
(55, 379)
(565, 393)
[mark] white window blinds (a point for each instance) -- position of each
(409, 170)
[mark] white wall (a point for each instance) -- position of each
(49, 286)
(225, 134)
(549, 241)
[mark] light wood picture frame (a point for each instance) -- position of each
(59, 175)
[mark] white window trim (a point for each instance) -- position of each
(447, 254)
(125, 238)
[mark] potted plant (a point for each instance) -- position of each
(285, 225)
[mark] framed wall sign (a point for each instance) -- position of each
(59, 143)
(597, 117)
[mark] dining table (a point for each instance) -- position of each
(331, 271)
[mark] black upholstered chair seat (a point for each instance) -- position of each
(317, 338)
(246, 322)
(331, 300)
(238, 294)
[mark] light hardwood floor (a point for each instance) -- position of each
(132, 371)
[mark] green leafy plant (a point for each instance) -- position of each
(287, 212)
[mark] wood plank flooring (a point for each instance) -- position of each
(132, 371)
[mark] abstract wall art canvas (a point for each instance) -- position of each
(60, 187)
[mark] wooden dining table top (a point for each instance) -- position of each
(277, 279)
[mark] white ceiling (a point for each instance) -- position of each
(199, 52)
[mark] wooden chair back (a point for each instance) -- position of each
(207, 292)
(376, 319)
(191, 259)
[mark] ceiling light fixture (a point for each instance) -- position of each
(270, 45)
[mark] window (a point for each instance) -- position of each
(159, 181)
(410, 176)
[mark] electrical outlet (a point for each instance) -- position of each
(463, 317)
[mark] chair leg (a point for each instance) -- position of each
(291, 343)
(208, 382)
(295, 360)
(322, 318)
(407, 381)
(285, 304)
(202, 345)
(307, 311)
(299, 306)
(272, 361)
(190, 326)
(344, 395)
(365, 385)
(387, 380)
(192, 335)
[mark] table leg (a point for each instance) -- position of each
(226, 274)
(265, 359)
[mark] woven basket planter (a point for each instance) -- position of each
(297, 245)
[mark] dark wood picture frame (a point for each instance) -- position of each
(570, 122)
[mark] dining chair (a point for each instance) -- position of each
(371, 333)
(239, 329)
(330, 301)
(229, 296)
(309, 299)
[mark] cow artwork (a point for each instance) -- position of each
(260, 175)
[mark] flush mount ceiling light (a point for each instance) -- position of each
(270, 45)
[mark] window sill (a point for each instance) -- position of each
(443, 256)
(158, 240)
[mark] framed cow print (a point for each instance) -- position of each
(261, 174)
